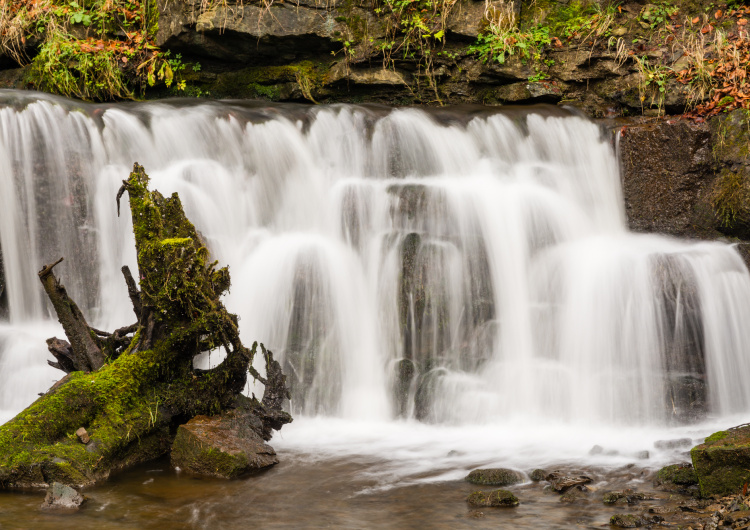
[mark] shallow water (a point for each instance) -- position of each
(337, 474)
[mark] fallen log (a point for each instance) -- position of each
(130, 389)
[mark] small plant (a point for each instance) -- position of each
(655, 15)
(653, 81)
(730, 198)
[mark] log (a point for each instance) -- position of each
(143, 386)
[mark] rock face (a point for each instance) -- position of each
(494, 477)
(722, 462)
(225, 446)
(62, 498)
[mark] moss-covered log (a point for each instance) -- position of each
(132, 405)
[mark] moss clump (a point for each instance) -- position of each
(494, 477)
(730, 198)
(493, 499)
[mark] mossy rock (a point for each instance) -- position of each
(722, 462)
(494, 477)
(677, 474)
(623, 497)
(625, 520)
(493, 499)
(538, 475)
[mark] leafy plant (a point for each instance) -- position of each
(653, 81)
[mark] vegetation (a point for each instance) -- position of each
(96, 50)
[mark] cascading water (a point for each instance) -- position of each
(456, 268)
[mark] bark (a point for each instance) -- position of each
(144, 385)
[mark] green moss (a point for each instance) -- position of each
(681, 475)
(715, 437)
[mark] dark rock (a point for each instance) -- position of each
(626, 521)
(62, 498)
(495, 498)
(494, 477)
(667, 178)
(562, 483)
(722, 462)
(538, 475)
(225, 446)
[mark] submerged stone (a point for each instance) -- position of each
(722, 462)
(223, 446)
(493, 499)
(62, 498)
(627, 496)
(494, 477)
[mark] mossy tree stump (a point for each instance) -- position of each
(146, 386)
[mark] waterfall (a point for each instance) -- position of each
(451, 267)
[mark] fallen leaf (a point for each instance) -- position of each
(718, 14)
(742, 22)
(696, 20)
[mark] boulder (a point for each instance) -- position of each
(722, 462)
(494, 477)
(493, 499)
(62, 498)
(537, 475)
(224, 446)
(562, 483)
(677, 474)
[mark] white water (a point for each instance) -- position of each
(533, 322)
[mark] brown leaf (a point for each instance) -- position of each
(696, 20)
(718, 14)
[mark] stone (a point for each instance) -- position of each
(342, 72)
(538, 475)
(562, 483)
(627, 496)
(722, 462)
(494, 477)
(574, 495)
(83, 436)
(625, 520)
(225, 446)
(673, 444)
(62, 498)
(493, 499)
(677, 474)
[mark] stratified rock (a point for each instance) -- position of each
(562, 483)
(722, 462)
(62, 498)
(495, 499)
(225, 446)
(494, 477)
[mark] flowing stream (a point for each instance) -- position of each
(444, 288)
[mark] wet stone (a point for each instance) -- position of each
(562, 483)
(493, 499)
(83, 436)
(494, 477)
(538, 475)
(623, 497)
(62, 498)
(673, 444)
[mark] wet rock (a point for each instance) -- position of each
(642, 455)
(538, 475)
(627, 496)
(667, 178)
(722, 462)
(495, 498)
(562, 483)
(574, 495)
(673, 444)
(62, 498)
(494, 477)
(225, 446)
(634, 521)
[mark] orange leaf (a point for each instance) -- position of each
(718, 14)
(742, 22)
(696, 20)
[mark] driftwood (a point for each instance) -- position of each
(130, 388)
